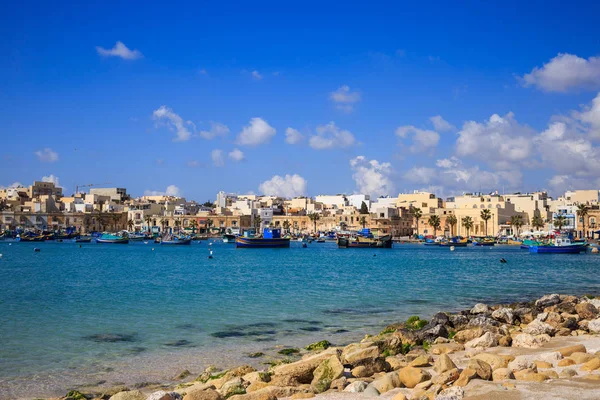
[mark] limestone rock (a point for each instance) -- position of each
(548, 300)
(203, 395)
(447, 377)
(371, 367)
(484, 322)
(538, 327)
(591, 365)
(495, 361)
(542, 364)
(339, 384)
(483, 369)
(130, 395)
(567, 351)
(232, 387)
(567, 373)
(451, 393)
(465, 377)
(256, 376)
(528, 341)
(389, 381)
(302, 395)
(594, 326)
(356, 387)
(446, 348)
(480, 308)
(488, 339)
(256, 386)
(302, 371)
(396, 362)
(162, 395)
(411, 376)
(504, 315)
(581, 358)
(551, 374)
(532, 377)
(443, 364)
(329, 370)
(356, 356)
(399, 396)
(586, 310)
(264, 394)
(371, 391)
(565, 362)
(421, 361)
(521, 363)
(505, 341)
(468, 334)
(502, 374)
(458, 321)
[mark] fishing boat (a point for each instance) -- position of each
(83, 239)
(137, 237)
(360, 241)
(484, 242)
(560, 245)
(271, 238)
(321, 240)
(455, 241)
(108, 238)
(431, 242)
(176, 240)
(30, 237)
(228, 236)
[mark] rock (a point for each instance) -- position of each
(371, 391)
(446, 348)
(451, 393)
(594, 326)
(232, 387)
(533, 377)
(421, 361)
(586, 310)
(467, 335)
(182, 375)
(325, 373)
(565, 362)
(567, 373)
(567, 351)
(203, 395)
(519, 374)
(132, 395)
(458, 321)
(318, 346)
(548, 300)
(256, 386)
(551, 374)
(370, 368)
(423, 385)
(339, 384)
(389, 381)
(484, 322)
(257, 376)
(440, 319)
(521, 363)
(505, 341)
(431, 332)
(480, 308)
(483, 369)
(411, 376)
(302, 395)
(162, 395)
(504, 315)
(443, 364)
(538, 327)
(447, 377)
(528, 341)
(399, 396)
(302, 371)
(267, 393)
(488, 339)
(465, 377)
(591, 365)
(502, 374)
(396, 362)
(581, 358)
(356, 387)
(495, 361)
(356, 356)
(542, 364)
(594, 302)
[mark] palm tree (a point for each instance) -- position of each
(434, 222)
(130, 224)
(163, 223)
(560, 221)
(363, 221)
(582, 212)
(467, 222)
(148, 219)
(194, 225)
(115, 218)
(517, 222)
(286, 225)
(209, 223)
(314, 217)
(485, 216)
(452, 221)
(177, 224)
(537, 222)
(417, 214)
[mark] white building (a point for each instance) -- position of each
(336, 201)
(356, 200)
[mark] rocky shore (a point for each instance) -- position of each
(547, 348)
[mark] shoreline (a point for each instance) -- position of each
(487, 328)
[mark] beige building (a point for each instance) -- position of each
(44, 188)
(581, 197)
(425, 201)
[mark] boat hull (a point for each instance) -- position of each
(228, 238)
(258, 243)
(31, 239)
(573, 249)
(382, 243)
(182, 242)
(112, 241)
(450, 244)
(483, 243)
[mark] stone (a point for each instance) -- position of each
(421, 361)
(468, 334)
(411, 376)
(483, 321)
(483, 369)
(591, 365)
(232, 387)
(132, 395)
(495, 361)
(443, 364)
(458, 321)
(586, 310)
(264, 394)
(542, 364)
(302, 371)
(256, 386)
(396, 362)
(567, 351)
(567, 373)
(465, 377)
(565, 362)
(451, 393)
(162, 395)
(329, 370)
(356, 356)
(505, 341)
(551, 374)
(372, 367)
(182, 375)
(521, 363)
(528, 341)
(446, 348)
(356, 387)
(203, 395)
(423, 385)
(548, 300)
(371, 391)
(419, 394)
(447, 377)
(502, 374)
(339, 384)
(538, 327)
(302, 395)
(256, 376)
(594, 326)
(399, 396)
(389, 381)
(488, 339)
(480, 308)
(532, 377)
(440, 319)
(504, 315)
(581, 358)
(431, 332)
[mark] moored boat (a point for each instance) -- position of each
(83, 239)
(271, 239)
(176, 241)
(455, 241)
(365, 242)
(484, 242)
(108, 238)
(561, 245)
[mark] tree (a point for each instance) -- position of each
(194, 225)
(363, 221)
(560, 221)
(286, 225)
(209, 223)
(208, 203)
(517, 222)
(467, 222)
(417, 213)
(314, 217)
(434, 222)
(485, 216)
(537, 222)
(115, 218)
(452, 221)
(257, 221)
(148, 219)
(163, 223)
(582, 212)
(363, 208)
(178, 224)
(130, 224)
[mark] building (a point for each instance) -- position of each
(337, 201)
(582, 197)
(44, 188)
(356, 200)
(425, 201)
(118, 195)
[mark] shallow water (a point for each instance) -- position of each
(108, 314)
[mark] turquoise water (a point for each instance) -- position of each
(107, 314)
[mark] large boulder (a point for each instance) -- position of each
(356, 387)
(302, 371)
(488, 339)
(443, 364)
(431, 332)
(162, 395)
(129, 395)
(458, 321)
(411, 376)
(502, 374)
(389, 381)
(494, 360)
(483, 321)
(525, 340)
(504, 315)
(329, 370)
(548, 300)
(538, 327)
(594, 325)
(481, 368)
(468, 334)
(356, 356)
(440, 319)
(480, 308)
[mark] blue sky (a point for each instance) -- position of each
(513, 85)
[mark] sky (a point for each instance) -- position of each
(303, 98)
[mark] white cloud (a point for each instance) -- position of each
(565, 72)
(423, 175)
(13, 185)
(371, 176)
(216, 129)
(590, 116)
(47, 155)
(51, 178)
(292, 136)
(284, 186)
(451, 162)
(174, 122)
(217, 158)
(171, 190)
(258, 132)
(256, 75)
(440, 124)
(120, 50)
(422, 139)
(236, 155)
(344, 98)
(330, 136)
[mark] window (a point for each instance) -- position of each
(381, 215)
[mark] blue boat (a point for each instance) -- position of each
(431, 242)
(108, 238)
(271, 239)
(561, 245)
(176, 241)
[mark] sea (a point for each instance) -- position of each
(99, 315)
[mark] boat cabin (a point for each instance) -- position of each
(272, 233)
